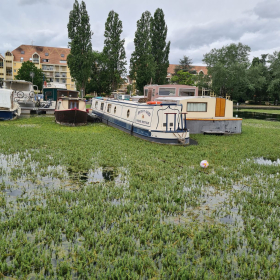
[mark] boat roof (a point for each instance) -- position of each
(123, 101)
(17, 81)
(181, 98)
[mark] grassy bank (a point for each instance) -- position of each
(95, 203)
(259, 111)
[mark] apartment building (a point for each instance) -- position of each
(52, 60)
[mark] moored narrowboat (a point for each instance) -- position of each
(152, 121)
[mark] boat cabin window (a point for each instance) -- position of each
(109, 108)
(73, 104)
(58, 105)
(196, 107)
(115, 110)
(186, 92)
(128, 113)
(166, 91)
(146, 92)
(102, 106)
(96, 104)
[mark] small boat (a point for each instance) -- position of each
(25, 96)
(205, 114)
(9, 109)
(70, 109)
(155, 122)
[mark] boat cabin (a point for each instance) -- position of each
(207, 114)
(151, 92)
(70, 109)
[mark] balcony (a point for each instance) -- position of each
(35, 60)
(47, 68)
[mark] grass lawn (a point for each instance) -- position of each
(259, 111)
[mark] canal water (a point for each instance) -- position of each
(255, 115)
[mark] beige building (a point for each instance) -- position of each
(52, 60)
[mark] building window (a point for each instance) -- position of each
(63, 61)
(1, 63)
(62, 55)
(45, 60)
(35, 58)
(46, 54)
(196, 107)
(22, 52)
(21, 59)
(166, 91)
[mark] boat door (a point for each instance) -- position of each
(220, 107)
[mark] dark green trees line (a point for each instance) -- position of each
(105, 71)
(230, 71)
(149, 61)
(233, 74)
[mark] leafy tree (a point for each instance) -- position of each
(274, 71)
(185, 65)
(257, 76)
(142, 65)
(114, 50)
(80, 58)
(202, 81)
(160, 49)
(227, 67)
(24, 73)
(183, 78)
(99, 81)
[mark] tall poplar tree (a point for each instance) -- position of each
(114, 50)
(81, 56)
(142, 65)
(160, 48)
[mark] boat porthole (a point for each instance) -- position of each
(128, 112)
(115, 110)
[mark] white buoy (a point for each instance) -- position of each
(204, 163)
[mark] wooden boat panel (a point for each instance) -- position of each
(71, 117)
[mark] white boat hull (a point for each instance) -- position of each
(144, 121)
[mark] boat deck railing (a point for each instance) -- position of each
(183, 122)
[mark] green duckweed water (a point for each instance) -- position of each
(95, 203)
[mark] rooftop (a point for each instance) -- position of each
(52, 55)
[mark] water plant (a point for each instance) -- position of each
(95, 203)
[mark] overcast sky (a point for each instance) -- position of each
(194, 27)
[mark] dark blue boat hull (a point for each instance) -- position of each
(8, 115)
